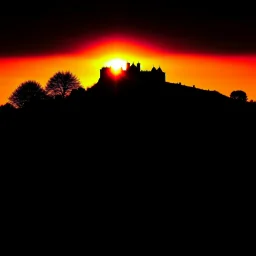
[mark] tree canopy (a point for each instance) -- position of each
(239, 95)
(62, 84)
(26, 93)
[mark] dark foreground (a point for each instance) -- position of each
(168, 131)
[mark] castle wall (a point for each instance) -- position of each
(134, 73)
(152, 76)
(105, 73)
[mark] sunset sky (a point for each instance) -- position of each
(211, 48)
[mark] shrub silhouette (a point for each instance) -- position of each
(61, 84)
(27, 93)
(239, 95)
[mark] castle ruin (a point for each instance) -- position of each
(134, 73)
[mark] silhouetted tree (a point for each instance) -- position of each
(61, 84)
(26, 93)
(238, 95)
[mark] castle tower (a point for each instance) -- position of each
(153, 69)
(138, 66)
(161, 74)
(159, 70)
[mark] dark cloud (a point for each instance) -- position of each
(55, 27)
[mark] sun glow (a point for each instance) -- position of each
(117, 65)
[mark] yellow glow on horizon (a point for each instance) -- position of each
(116, 65)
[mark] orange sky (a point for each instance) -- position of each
(220, 73)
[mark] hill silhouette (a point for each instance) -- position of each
(123, 121)
(123, 99)
(165, 144)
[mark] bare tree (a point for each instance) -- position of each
(239, 95)
(61, 84)
(27, 92)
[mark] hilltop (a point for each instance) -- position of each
(174, 97)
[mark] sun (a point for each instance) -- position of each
(117, 65)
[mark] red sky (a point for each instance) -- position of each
(223, 73)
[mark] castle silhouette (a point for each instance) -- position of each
(134, 73)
